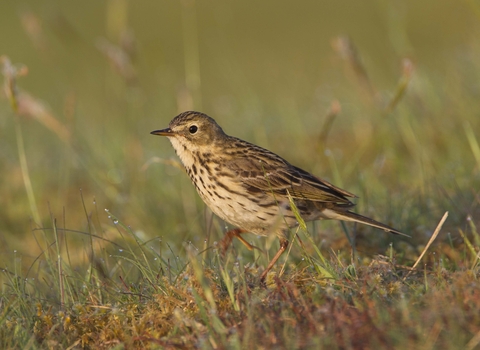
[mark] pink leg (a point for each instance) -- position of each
(283, 247)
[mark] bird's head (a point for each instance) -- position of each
(192, 132)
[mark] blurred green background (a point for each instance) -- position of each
(103, 74)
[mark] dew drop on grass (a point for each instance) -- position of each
(115, 221)
(155, 259)
(120, 250)
(106, 210)
(109, 216)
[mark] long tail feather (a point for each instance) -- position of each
(351, 216)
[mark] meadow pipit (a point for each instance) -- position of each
(249, 186)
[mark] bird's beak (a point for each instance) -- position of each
(163, 132)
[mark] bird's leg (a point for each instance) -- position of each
(227, 240)
(283, 247)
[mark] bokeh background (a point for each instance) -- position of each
(378, 97)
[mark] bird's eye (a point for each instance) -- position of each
(193, 129)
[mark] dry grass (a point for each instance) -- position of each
(139, 297)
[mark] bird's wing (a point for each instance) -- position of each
(265, 171)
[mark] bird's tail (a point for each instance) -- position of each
(346, 215)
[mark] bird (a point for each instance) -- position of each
(251, 187)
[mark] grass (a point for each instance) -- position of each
(144, 295)
(146, 272)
